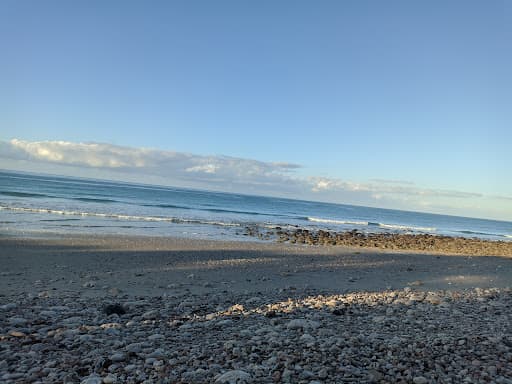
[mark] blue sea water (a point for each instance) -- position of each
(38, 204)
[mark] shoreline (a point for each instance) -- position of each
(135, 309)
(149, 265)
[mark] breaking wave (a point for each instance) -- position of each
(407, 227)
(120, 216)
(342, 222)
(369, 223)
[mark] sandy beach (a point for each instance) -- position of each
(79, 309)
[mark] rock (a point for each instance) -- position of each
(47, 313)
(156, 336)
(302, 324)
(134, 347)
(110, 379)
(130, 368)
(234, 377)
(93, 379)
(111, 309)
(17, 334)
(374, 376)
(419, 380)
(307, 339)
(12, 376)
(157, 354)
(118, 357)
(150, 315)
(270, 314)
(323, 373)
(17, 321)
(433, 298)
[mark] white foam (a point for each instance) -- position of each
(331, 221)
(407, 228)
(119, 216)
(509, 236)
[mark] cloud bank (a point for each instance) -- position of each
(232, 174)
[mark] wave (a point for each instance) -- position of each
(407, 227)
(369, 223)
(116, 216)
(85, 199)
(95, 200)
(233, 211)
(484, 234)
(331, 221)
(23, 194)
(50, 220)
(166, 206)
(215, 210)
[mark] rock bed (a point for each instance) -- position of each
(391, 241)
(404, 336)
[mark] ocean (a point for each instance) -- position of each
(32, 205)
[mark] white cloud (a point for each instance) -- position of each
(207, 168)
(172, 165)
(386, 187)
(232, 174)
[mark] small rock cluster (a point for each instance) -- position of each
(391, 241)
(401, 336)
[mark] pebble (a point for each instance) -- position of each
(391, 336)
(233, 377)
(17, 321)
(118, 357)
(302, 324)
(92, 380)
(150, 315)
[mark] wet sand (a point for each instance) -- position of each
(97, 265)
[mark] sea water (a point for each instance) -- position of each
(37, 204)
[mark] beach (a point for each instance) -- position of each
(125, 309)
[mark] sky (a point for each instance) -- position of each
(394, 104)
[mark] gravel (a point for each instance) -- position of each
(304, 336)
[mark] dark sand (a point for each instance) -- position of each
(102, 265)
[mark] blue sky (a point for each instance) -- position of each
(361, 92)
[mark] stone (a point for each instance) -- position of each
(110, 379)
(93, 379)
(302, 324)
(323, 373)
(118, 357)
(18, 321)
(8, 306)
(156, 336)
(233, 377)
(17, 334)
(111, 309)
(419, 380)
(150, 315)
